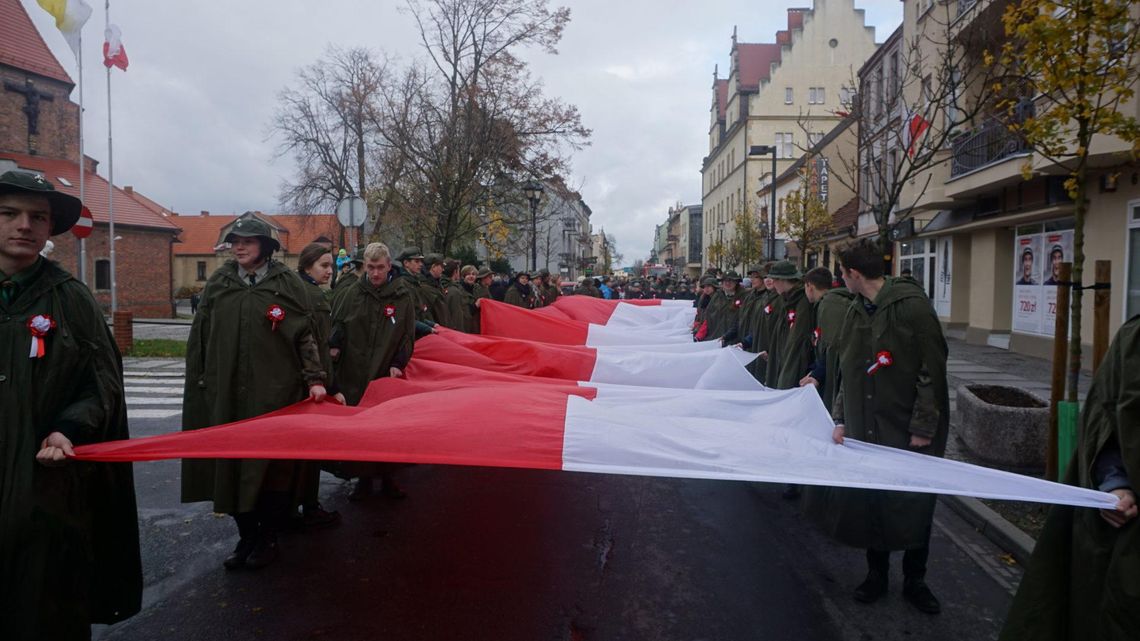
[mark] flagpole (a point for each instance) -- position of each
(110, 174)
(82, 181)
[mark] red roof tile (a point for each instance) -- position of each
(128, 211)
(846, 216)
(22, 47)
(721, 98)
(755, 60)
(200, 234)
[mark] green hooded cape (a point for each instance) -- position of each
(886, 407)
(434, 295)
(829, 313)
(790, 349)
(238, 366)
(69, 543)
(723, 312)
(1083, 581)
(462, 314)
(373, 327)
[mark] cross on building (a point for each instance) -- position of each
(32, 98)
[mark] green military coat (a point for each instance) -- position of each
(790, 347)
(1083, 581)
(517, 297)
(344, 280)
(480, 293)
(373, 327)
(69, 544)
(434, 295)
(748, 311)
(770, 306)
(887, 407)
(829, 314)
(723, 312)
(462, 314)
(238, 366)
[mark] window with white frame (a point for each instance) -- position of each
(785, 147)
(816, 96)
(788, 95)
(1132, 303)
(813, 138)
(846, 96)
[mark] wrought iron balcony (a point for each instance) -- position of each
(993, 142)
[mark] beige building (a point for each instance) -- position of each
(983, 239)
(785, 94)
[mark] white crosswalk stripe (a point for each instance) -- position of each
(154, 394)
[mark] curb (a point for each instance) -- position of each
(995, 528)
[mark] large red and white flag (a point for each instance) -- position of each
(496, 401)
(114, 55)
(618, 325)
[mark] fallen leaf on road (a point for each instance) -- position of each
(1008, 559)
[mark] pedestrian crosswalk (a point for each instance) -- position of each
(154, 389)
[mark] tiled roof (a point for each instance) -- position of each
(721, 98)
(846, 216)
(755, 60)
(200, 233)
(22, 47)
(128, 210)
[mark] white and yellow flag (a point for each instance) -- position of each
(70, 16)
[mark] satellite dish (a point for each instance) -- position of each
(352, 211)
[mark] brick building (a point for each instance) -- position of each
(39, 132)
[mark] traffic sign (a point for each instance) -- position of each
(352, 211)
(82, 227)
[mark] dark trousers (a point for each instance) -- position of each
(914, 562)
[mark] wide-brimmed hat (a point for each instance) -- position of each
(785, 270)
(543, 272)
(434, 259)
(410, 253)
(65, 209)
(522, 273)
(756, 269)
(708, 281)
(731, 276)
(484, 272)
(358, 257)
(249, 226)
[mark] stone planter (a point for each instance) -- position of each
(1003, 426)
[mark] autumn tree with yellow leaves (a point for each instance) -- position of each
(804, 218)
(1079, 58)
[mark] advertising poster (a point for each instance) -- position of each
(1028, 305)
(1057, 248)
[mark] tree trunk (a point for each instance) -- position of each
(1080, 209)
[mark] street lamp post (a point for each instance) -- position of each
(760, 150)
(533, 191)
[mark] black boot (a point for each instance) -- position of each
(915, 589)
(874, 587)
(247, 531)
(264, 551)
(272, 510)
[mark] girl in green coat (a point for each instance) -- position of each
(252, 350)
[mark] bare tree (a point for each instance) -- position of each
(469, 124)
(326, 124)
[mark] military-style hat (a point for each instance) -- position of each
(410, 253)
(358, 256)
(730, 276)
(756, 269)
(543, 272)
(432, 259)
(65, 209)
(484, 272)
(522, 272)
(785, 270)
(250, 226)
(708, 281)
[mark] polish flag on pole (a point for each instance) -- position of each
(114, 55)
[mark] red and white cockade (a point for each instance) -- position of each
(39, 326)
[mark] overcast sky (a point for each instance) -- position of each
(191, 114)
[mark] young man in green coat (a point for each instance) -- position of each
(724, 308)
(520, 293)
(1083, 582)
(252, 349)
(829, 314)
(893, 392)
(750, 308)
(373, 329)
(69, 546)
(789, 354)
(462, 312)
(433, 289)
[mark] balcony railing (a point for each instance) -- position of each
(993, 142)
(965, 5)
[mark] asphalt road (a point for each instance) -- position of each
(483, 553)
